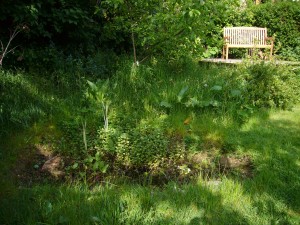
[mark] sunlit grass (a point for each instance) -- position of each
(270, 197)
(270, 138)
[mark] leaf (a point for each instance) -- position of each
(48, 207)
(206, 103)
(75, 166)
(215, 103)
(165, 104)
(192, 102)
(100, 166)
(95, 219)
(236, 93)
(63, 220)
(90, 159)
(182, 93)
(104, 168)
(216, 88)
(92, 85)
(96, 166)
(97, 156)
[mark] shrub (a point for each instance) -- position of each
(283, 21)
(268, 85)
(136, 147)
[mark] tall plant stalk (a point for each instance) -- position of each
(105, 106)
(83, 122)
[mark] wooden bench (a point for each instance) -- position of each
(246, 37)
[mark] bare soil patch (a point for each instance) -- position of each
(36, 164)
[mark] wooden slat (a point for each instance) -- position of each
(248, 46)
(246, 37)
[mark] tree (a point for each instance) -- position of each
(170, 28)
(66, 23)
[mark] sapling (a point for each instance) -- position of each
(5, 50)
(98, 94)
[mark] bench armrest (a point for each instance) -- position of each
(270, 39)
(226, 39)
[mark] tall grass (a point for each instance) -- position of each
(212, 109)
(270, 197)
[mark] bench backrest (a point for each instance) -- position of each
(245, 35)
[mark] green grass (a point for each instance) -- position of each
(271, 138)
(270, 197)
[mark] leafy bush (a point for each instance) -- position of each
(268, 85)
(68, 24)
(136, 147)
(282, 20)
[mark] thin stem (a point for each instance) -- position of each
(133, 45)
(6, 51)
(84, 134)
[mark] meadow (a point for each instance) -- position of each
(156, 143)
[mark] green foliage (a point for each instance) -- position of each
(97, 95)
(154, 118)
(162, 115)
(148, 144)
(291, 52)
(63, 32)
(51, 20)
(55, 28)
(70, 142)
(155, 27)
(96, 163)
(282, 20)
(136, 147)
(236, 91)
(271, 194)
(271, 86)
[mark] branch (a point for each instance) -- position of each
(10, 50)
(6, 50)
(133, 45)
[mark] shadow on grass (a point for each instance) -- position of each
(277, 151)
(109, 206)
(275, 147)
(274, 191)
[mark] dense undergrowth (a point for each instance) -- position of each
(89, 137)
(139, 135)
(145, 118)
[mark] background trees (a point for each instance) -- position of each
(168, 29)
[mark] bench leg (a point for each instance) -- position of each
(271, 52)
(223, 53)
(227, 49)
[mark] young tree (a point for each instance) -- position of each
(6, 48)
